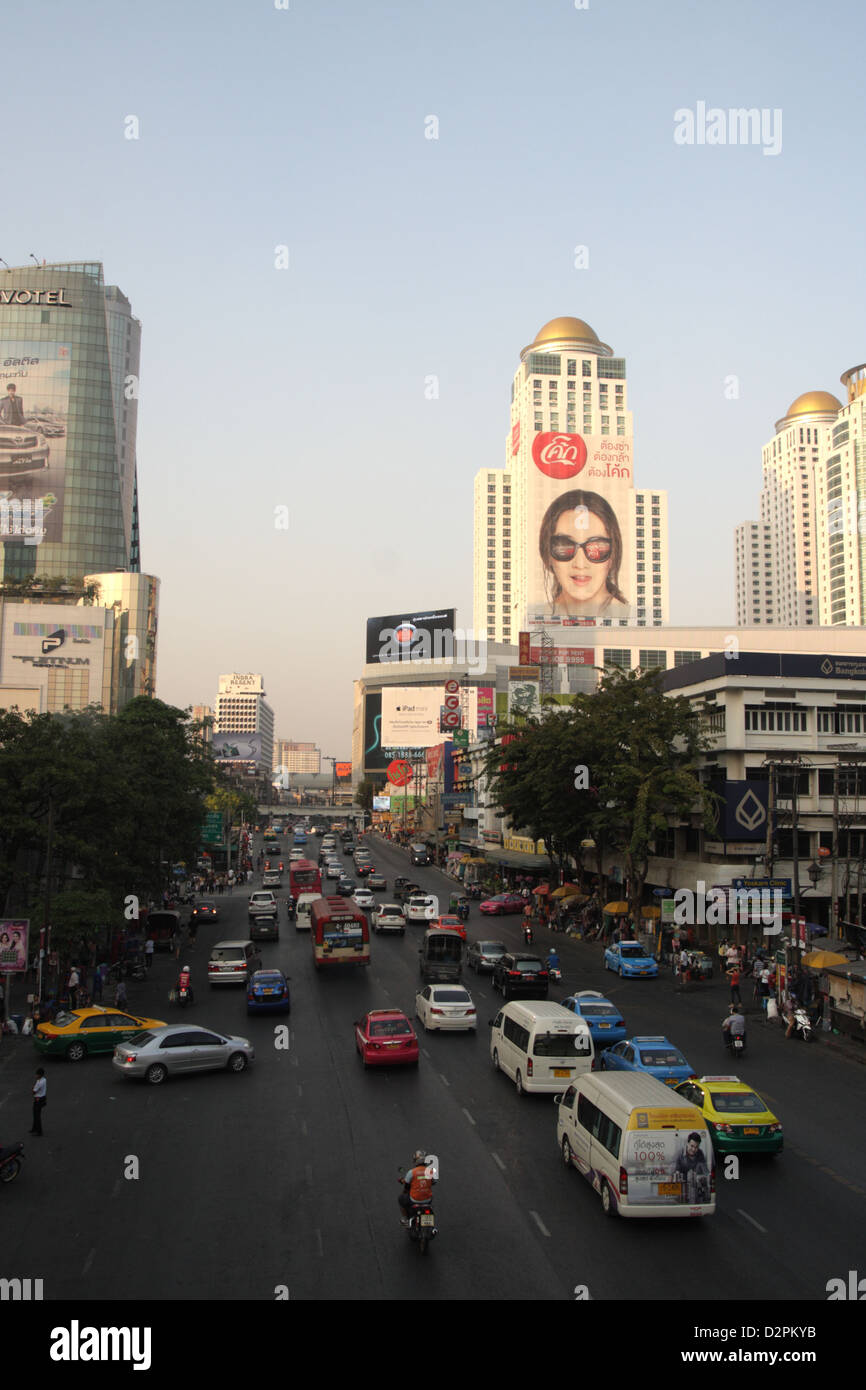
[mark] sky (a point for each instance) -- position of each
(303, 258)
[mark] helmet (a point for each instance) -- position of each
(419, 1156)
(185, 969)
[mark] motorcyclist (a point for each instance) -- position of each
(184, 981)
(553, 961)
(463, 909)
(527, 931)
(734, 1026)
(417, 1185)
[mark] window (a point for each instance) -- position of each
(653, 661)
(586, 369)
(784, 719)
(619, 657)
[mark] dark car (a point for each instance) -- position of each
(265, 927)
(346, 887)
(162, 927)
(348, 847)
(520, 975)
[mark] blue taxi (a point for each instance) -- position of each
(268, 993)
(606, 1023)
(629, 958)
(656, 1056)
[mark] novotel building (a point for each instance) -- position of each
(69, 365)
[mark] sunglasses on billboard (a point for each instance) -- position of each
(597, 549)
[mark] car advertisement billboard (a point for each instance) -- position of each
(34, 415)
(237, 748)
(580, 522)
(411, 636)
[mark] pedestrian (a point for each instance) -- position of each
(765, 988)
(39, 1102)
(120, 999)
(96, 991)
(72, 986)
(148, 952)
(734, 977)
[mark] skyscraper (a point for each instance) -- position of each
(69, 364)
(562, 538)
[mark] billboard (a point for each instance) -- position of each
(413, 715)
(241, 683)
(34, 416)
(524, 697)
(381, 803)
(411, 636)
(342, 769)
(237, 748)
(64, 658)
(580, 518)
(13, 944)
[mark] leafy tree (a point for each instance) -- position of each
(364, 793)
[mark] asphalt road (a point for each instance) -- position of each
(286, 1176)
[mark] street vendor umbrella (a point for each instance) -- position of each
(566, 890)
(819, 960)
(542, 888)
(650, 913)
(616, 908)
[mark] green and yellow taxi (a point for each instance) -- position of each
(77, 1032)
(738, 1119)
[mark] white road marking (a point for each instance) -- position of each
(87, 1263)
(746, 1217)
(468, 1116)
(320, 1244)
(445, 1079)
(540, 1224)
(497, 1159)
(304, 1127)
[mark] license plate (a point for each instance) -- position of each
(669, 1189)
(22, 458)
(751, 1129)
(269, 991)
(604, 1025)
(561, 1071)
(428, 1219)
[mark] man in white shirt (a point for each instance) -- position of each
(39, 1089)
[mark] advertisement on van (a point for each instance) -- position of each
(668, 1161)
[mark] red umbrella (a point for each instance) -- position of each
(542, 888)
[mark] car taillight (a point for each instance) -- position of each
(543, 974)
(131, 1057)
(437, 1011)
(514, 974)
(529, 1066)
(623, 1182)
(774, 1129)
(472, 1011)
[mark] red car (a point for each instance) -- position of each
(384, 1037)
(449, 923)
(502, 903)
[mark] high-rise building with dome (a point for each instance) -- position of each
(804, 563)
(563, 539)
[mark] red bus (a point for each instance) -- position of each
(304, 877)
(340, 933)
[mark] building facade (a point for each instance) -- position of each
(296, 757)
(569, 467)
(241, 708)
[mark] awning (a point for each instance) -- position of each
(616, 908)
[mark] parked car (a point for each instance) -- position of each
(268, 992)
(654, 1055)
(501, 904)
(157, 1053)
(385, 1037)
(629, 958)
(483, 955)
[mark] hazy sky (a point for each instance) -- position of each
(409, 257)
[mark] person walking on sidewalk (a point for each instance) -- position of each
(734, 977)
(39, 1102)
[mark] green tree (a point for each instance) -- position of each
(364, 793)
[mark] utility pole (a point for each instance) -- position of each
(834, 866)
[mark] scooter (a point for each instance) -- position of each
(10, 1162)
(183, 996)
(735, 1043)
(527, 935)
(803, 1026)
(554, 974)
(422, 1225)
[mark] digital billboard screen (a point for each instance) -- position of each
(411, 636)
(237, 748)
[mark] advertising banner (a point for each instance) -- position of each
(485, 707)
(580, 519)
(669, 1162)
(524, 698)
(34, 415)
(237, 748)
(374, 754)
(411, 636)
(564, 656)
(14, 936)
(421, 716)
(746, 810)
(343, 769)
(381, 803)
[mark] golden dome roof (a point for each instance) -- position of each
(567, 330)
(814, 403)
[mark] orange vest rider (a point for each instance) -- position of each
(183, 980)
(420, 1184)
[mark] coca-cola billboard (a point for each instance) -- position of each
(581, 510)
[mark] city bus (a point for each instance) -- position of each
(304, 877)
(340, 933)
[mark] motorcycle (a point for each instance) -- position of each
(10, 1162)
(527, 935)
(803, 1026)
(422, 1225)
(735, 1043)
(554, 974)
(182, 995)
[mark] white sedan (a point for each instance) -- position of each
(389, 918)
(363, 898)
(445, 1006)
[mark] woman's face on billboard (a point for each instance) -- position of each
(580, 557)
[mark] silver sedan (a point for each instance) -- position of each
(157, 1053)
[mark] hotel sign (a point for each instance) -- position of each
(56, 297)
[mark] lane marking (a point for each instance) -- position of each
(87, 1263)
(304, 1128)
(445, 1079)
(497, 1159)
(468, 1116)
(540, 1224)
(320, 1244)
(746, 1217)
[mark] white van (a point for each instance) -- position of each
(646, 1151)
(303, 908)
(540, 1045)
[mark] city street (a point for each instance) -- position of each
(286, 1175)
